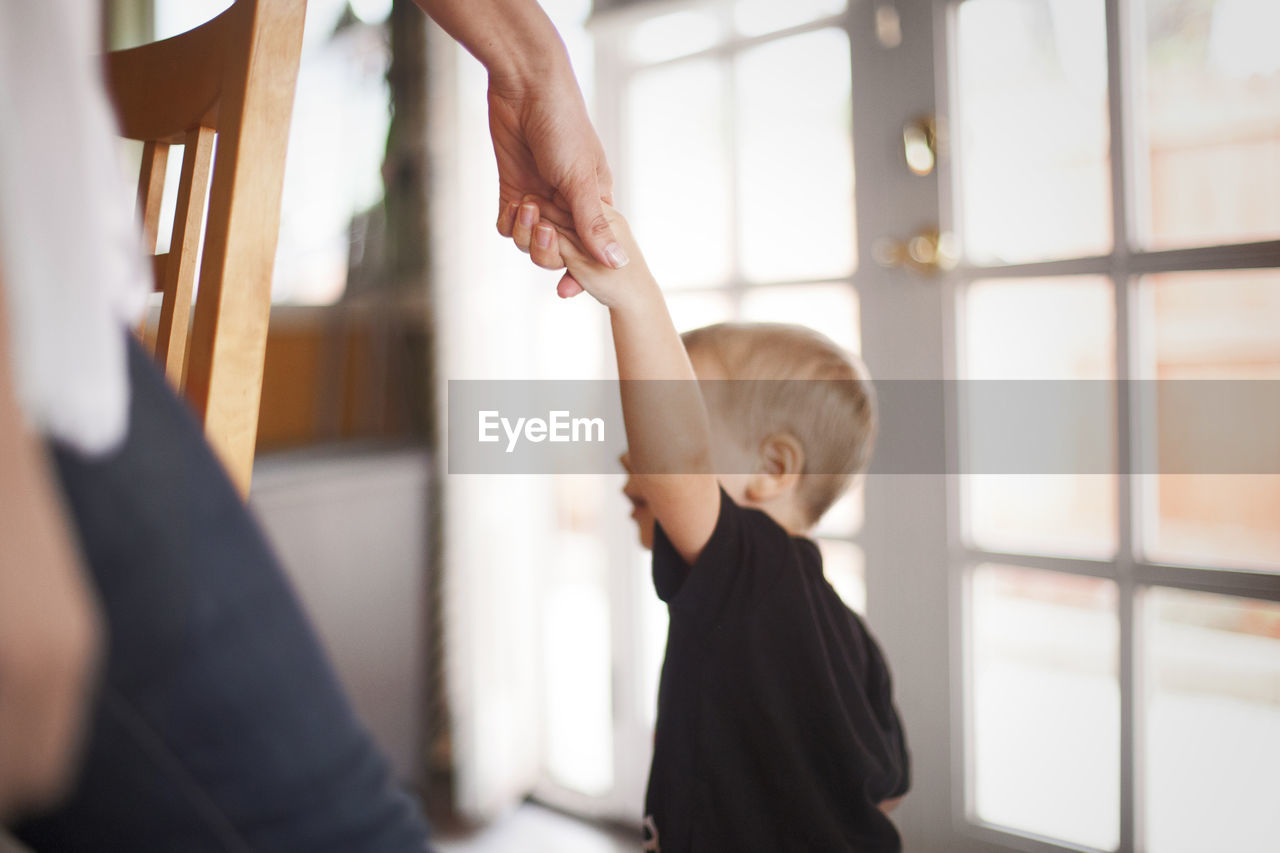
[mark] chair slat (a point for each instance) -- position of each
(180, 268)
(155, 160)
(157, 271)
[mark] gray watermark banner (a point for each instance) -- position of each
(1002, 427)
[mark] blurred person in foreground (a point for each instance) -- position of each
(160, 688)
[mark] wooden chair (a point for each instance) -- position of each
(231, 80)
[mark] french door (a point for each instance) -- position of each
(1084, 659)
(1072, 194)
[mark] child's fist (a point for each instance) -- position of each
(607, 285)
(544, 230)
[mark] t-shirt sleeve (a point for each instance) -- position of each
(730, 564)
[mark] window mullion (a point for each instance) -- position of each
(1120, 94)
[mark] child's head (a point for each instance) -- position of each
(792, 419)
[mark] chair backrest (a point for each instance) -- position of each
(231, 80)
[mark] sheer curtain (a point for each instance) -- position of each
(527, 630)
(498, 530)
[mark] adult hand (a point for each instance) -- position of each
(542, 137)
(545, 146)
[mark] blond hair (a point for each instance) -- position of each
(810, 388)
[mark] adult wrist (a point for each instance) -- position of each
(522, 74)
(513, 39)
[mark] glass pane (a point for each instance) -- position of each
(795, 152)
(695, 310)
(1033, 158)
(1051, 329)
(571, 342)
(1212, 723)
(679, 187)
(333, 171)
(844, 565)
(1213, 121)
(1204, 326)
(653, 636)
(676, 34)
(831, 309)
(756, 17)
(577, 667)
(178, 16)
(845, 517)
(1046, 704)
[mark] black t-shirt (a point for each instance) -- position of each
(776, 727)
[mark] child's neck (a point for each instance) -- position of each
(787, 516)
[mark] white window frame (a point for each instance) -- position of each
(614, 69)
(1132, 572)
(918, 557)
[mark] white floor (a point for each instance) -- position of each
(532, 829)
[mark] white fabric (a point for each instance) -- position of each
(70, 248)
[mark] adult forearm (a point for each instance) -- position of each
(513, 39)
(49, 632)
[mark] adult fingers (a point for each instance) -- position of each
(571, 247)
(507, 217)
(555, 210)
(522, 229)
(583, 195)
(545, 249)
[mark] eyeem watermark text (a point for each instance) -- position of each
(558, 427)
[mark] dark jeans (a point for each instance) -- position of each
(219, 725)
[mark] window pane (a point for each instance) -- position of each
(676, 34)
(1032, 109)
(795, 150)
(178, 16)
(1046, 704)
(653, 636)
(695, 310)
(678, 188)
(756, 17)
(844, 565)
(337, 144)
(571, 342)
(845, 517)
(1204, 326)
(1051, 329)
(1213, 723)
(577, 667)
(1213, 121)
(831, 309)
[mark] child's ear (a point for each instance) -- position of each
(780, 463)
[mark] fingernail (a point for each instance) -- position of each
(528, 215)
(616, 256)
(542, 236)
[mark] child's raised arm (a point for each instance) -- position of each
(668, 435)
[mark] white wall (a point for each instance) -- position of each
(351, 530)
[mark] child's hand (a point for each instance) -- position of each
(523, 220)
(553, 244)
